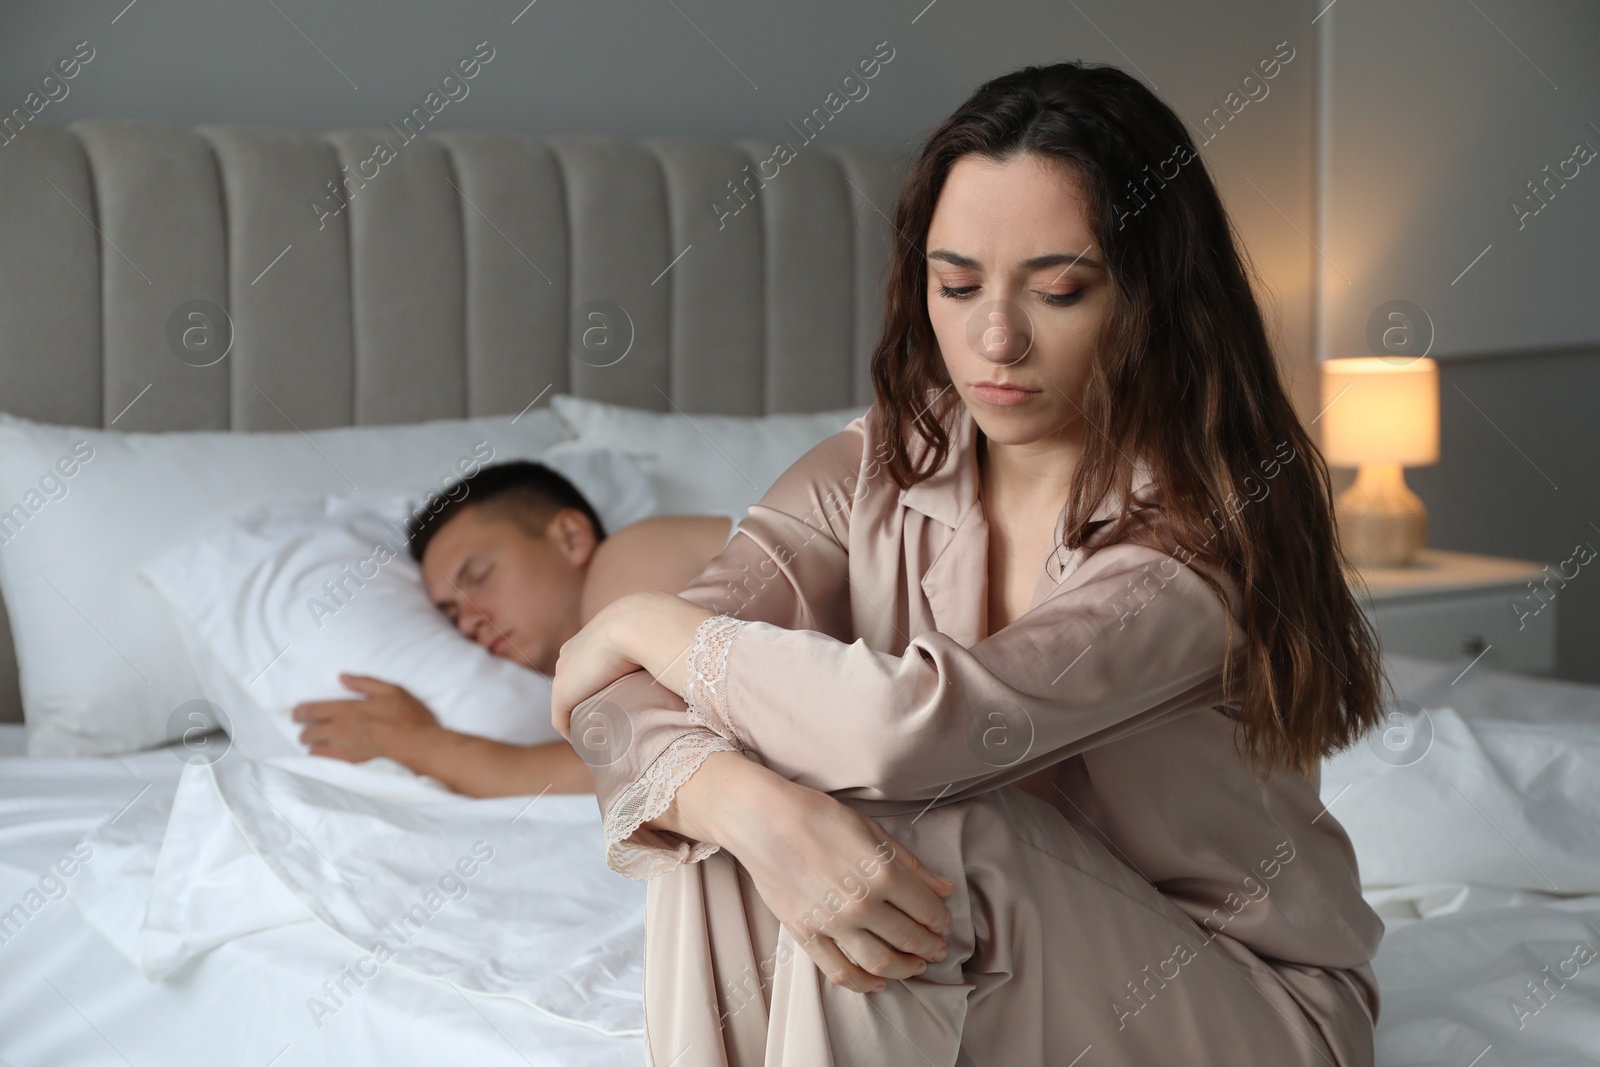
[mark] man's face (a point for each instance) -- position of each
(515, 593)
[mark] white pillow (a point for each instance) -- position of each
(103, 667)
(268, 631)
(703, 464)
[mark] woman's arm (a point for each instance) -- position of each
(786, 566)
(859, 903)
(673, 791)
(1128, 640)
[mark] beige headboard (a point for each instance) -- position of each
(370, 279)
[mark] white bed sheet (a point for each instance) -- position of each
(67, 996)
(1454, 970)
(1454, 967)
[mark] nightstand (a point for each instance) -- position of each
(1450, 605)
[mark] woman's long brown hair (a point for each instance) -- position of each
(1184, 377)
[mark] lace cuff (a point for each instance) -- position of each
(644, 854)
(706, 689)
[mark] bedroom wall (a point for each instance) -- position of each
(1437, 115)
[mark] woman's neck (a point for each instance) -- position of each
(1025, 476)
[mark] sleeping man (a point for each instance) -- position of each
(519, 563)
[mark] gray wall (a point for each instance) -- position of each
(1400, 97)
(1435, 116)
(1438, 114)
(1517, 478)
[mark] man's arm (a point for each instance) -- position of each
(391, 722)
(479, 767)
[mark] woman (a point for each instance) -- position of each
(1008, 704)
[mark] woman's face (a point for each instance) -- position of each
(1017, 294)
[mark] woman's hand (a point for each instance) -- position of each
(588, 662)
(650, 629)
(387, 721)
(863, 907)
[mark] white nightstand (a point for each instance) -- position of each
(1449, 605)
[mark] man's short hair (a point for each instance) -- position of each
(528, 493)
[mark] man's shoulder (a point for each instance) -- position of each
(662, 533)
(660, 552)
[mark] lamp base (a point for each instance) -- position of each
(1382, 523)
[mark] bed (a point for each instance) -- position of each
(174, 903)
(1454, 966)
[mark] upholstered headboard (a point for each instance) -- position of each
(370, 279)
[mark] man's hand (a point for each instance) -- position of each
(387, 721)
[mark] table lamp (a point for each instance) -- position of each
(1380, 415)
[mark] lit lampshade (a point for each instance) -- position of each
(1380, 416)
